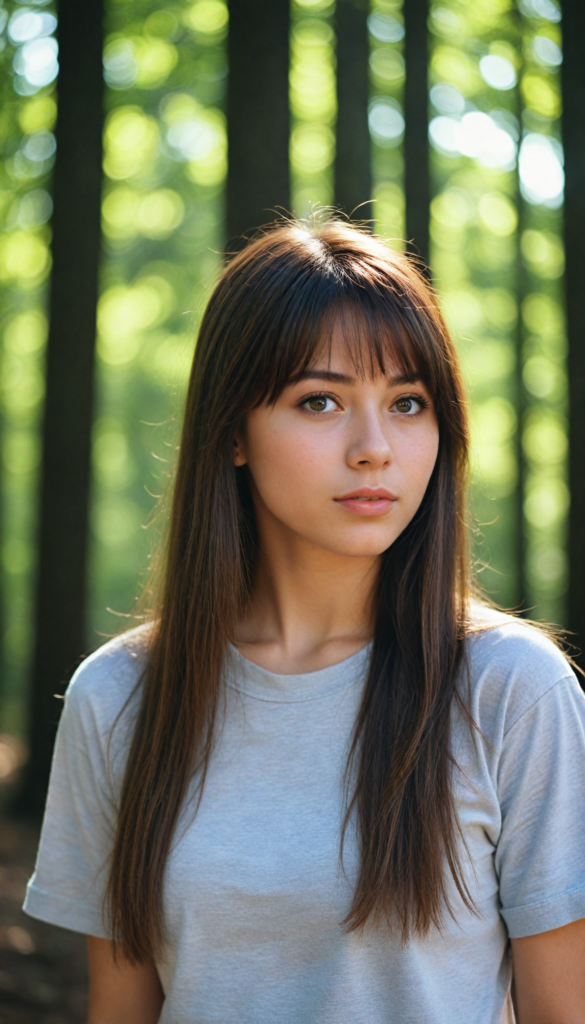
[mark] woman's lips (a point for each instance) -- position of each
(368, 502)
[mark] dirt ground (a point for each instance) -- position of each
(43, 970)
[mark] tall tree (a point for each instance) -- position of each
(258, 118)
(573, 85)
(65, 471)
(416, 135)
(353, 180)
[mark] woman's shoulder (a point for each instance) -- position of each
(510, 664)
(107, 680)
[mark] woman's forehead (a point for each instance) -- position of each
(351, 346)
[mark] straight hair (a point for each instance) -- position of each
(272, 312)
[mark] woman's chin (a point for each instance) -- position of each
(355, 547)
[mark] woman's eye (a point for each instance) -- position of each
(410, 406)
(319, 403)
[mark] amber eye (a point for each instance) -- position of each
(318, 403)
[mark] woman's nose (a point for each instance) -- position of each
(369, 444)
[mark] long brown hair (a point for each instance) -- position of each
(266, 319)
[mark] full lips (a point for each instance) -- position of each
(366, 507)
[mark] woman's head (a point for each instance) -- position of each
(323, 367)
(323, 354)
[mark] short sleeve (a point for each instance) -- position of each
(540, 855)
(67, 887)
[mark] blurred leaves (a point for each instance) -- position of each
(131, 143)
(165, 162)
(386, 117)
(496, 232)
(313, 105)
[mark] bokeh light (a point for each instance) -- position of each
(386, 118)
(496, 244)
(313, 104)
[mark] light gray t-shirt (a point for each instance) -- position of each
(254, 894)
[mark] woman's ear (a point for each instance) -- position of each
(239, 454)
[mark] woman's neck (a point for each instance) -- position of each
(310, 608)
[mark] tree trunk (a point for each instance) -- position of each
(353, 181)
(416, 135)
(258, 182)
(65, 470)
(573, 81)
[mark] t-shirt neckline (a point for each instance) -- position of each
(251, 679)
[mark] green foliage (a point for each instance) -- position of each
(27, 116)
(165, 163)
(386, 117)
(313, 105)
(498, 259)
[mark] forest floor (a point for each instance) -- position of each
(43, 969)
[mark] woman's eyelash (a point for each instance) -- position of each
(317, 394)
(422, 401)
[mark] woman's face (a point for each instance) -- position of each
(341, 461)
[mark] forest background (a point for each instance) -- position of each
(489, 169)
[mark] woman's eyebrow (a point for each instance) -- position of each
(326, 375)
(342, 378)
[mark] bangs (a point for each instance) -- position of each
(374, 330)
(373, 343)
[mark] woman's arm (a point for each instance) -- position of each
(549, 976)
(118, 993)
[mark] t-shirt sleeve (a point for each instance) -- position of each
(67, 887)
(540, 855)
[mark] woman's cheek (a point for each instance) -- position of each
(417, 453)
(283, 449)
(292, 470)
(300, 461)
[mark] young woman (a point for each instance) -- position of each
(322, 784)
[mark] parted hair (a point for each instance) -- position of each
(270, 313)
